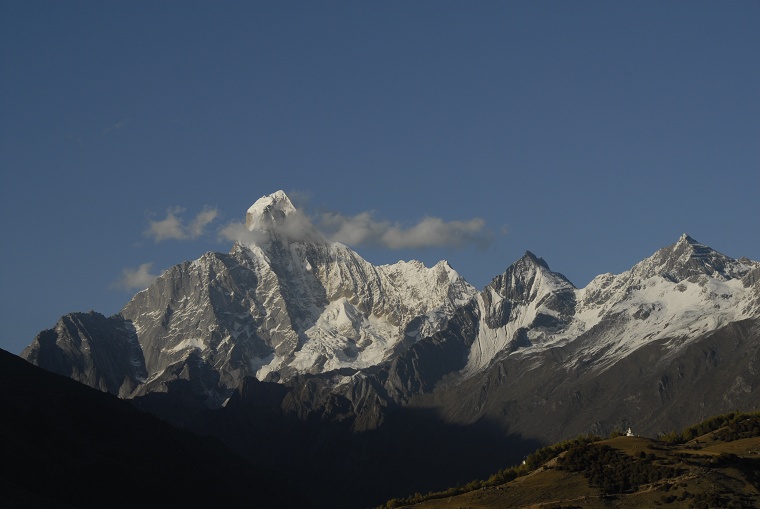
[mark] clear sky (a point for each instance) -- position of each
(591, 133)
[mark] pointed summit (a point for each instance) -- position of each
(529, 257)
(686, 238)
(687, 247)
(687, 258)
(527, 277)
(268, 211)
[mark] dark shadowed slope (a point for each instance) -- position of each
(67, 445)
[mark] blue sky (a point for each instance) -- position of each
(591, 133)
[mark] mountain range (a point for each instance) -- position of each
(296, 351)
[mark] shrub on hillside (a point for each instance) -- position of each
(737, 425)
(611, 470)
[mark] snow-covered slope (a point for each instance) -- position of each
(680, 292)
(526, 306)
(670, 341)
(342, 311)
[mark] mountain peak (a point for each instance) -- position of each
(532, 258)
(526, 276)
(687, 247)
(268, 211)
(686, 258)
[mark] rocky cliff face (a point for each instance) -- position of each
(97, 351)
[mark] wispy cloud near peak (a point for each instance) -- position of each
(173, 227)
(364, 229)
(136, 278)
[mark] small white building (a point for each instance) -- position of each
(629, 433)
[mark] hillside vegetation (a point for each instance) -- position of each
(715, 463)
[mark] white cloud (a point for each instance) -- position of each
(203, 219)
(353, 230)
(136, 279)
(360, 230)
(238, 232)
(295, 227)
(363, 229)
(168, 228)
(172, 227)
(298, 226)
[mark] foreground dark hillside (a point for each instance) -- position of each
(712, 464)
(67, 445)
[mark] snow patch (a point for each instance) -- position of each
(189, 343)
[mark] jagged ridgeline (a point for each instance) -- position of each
(301, 337)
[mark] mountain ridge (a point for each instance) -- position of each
(288, 302)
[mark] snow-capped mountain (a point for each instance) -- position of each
(680, 292)
(288, 306)
(527, 305)
(284, 300)
(672, 340)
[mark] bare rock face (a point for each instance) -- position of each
(688, 258)
(97, 351)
